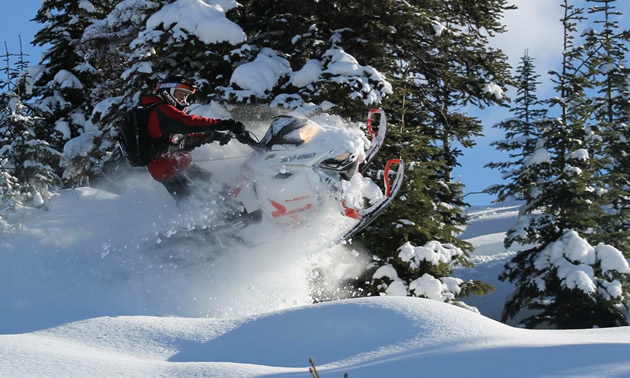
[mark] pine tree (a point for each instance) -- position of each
(62, 80)
(522, 133)
(27, 177)
(607, 49)
(137, 47)
(10, 196)
(106, 44)
(561, 278)
(312, 37)
(168, 47)
(433, 75)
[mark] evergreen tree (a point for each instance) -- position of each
(62, 80)
(26, 177)
(439, 70)
(522, 133)
(607, 49)
(564, 281)
(10, 196)
(106, 43)
(165, 47)
(322, 67)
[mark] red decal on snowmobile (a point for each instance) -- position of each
(236, 191)
(350, 212)
(297, 199)
(282, 211)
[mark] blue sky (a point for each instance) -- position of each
(534, 26)
(14, 21)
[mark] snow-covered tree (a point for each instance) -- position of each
(27, 161)
(570, 284)
(106, 43)
(61, 82)
(139, 43)
(183, 37)
(308, 53)
(438, 60)
(26, 176)
(606, 44)
(563, 208)
(10, 195)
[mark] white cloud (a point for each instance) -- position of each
(534, 26)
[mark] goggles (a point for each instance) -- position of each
(177, 86)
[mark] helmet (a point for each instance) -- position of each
(168, 87)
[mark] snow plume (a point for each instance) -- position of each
(127, 249)
(67, 276)
(136, 253)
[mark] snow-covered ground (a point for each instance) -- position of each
(94, 287)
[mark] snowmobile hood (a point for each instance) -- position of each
(289, 130)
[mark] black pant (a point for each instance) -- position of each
(181, 186)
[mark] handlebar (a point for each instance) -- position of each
(190, 141)
(248, 138)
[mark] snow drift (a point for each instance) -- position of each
(83, 294)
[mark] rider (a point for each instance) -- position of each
(176, 133)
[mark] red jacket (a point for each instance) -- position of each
(165, 120)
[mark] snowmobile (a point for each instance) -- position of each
(297, 171)
(299, 164)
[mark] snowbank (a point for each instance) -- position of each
(371, 337)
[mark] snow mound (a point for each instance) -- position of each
(370, 337)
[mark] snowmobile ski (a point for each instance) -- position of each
(377, 138)
(368, 215)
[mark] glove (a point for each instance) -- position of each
(222, 138)
(233, 126)
(247, 139)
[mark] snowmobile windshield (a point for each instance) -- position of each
(288, 130)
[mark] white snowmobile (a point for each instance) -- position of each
(301, 163)
(300, 169)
